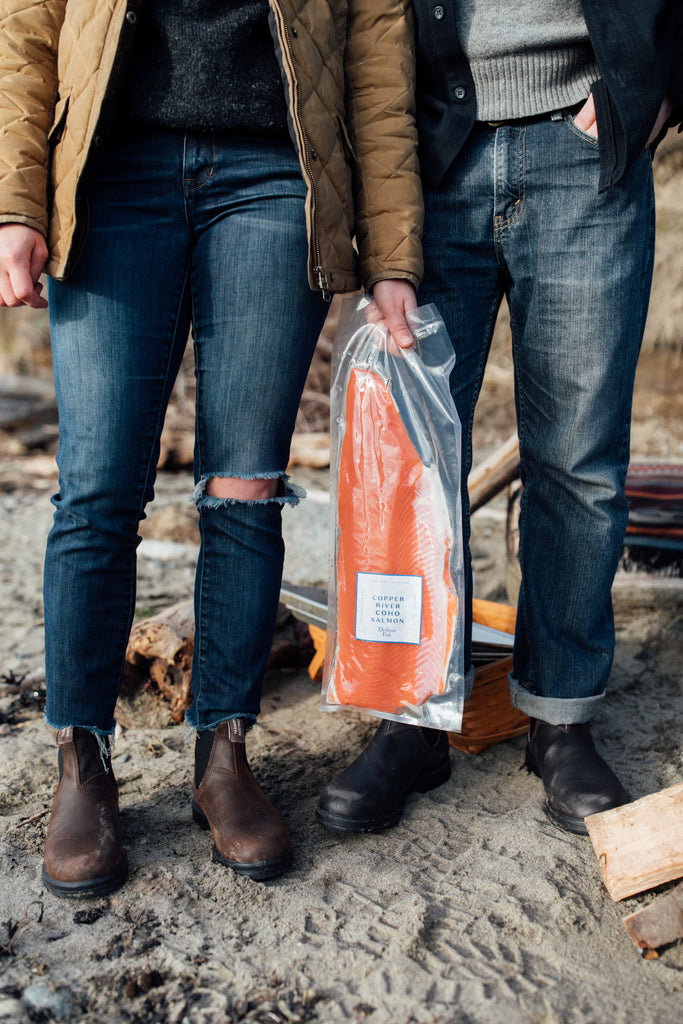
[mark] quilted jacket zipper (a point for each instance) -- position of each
(306, 151)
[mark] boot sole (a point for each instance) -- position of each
(357, 826)
(380, 823)
(258, 870)
(567, 822)
(90, 888)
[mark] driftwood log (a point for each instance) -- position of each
(25, 402)
(160, 650)
(28, 410)
(160, 655)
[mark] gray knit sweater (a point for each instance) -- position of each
(527, 56)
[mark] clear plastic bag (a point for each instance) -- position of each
(395, 613)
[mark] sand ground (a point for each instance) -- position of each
(474, 909)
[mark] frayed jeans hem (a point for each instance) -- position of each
(85, 728)
(190, 730)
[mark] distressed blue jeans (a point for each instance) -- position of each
(520, 216)
(185, 230)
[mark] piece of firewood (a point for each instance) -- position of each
(495, 473)
(640, 845)
(494, 614)
(659, 923)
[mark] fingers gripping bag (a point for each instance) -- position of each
(395, 611)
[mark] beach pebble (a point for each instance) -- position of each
(41, 998)
(14, 1011)
(34, 680)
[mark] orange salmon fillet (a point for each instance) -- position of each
(392, 519)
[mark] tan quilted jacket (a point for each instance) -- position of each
(349, 67)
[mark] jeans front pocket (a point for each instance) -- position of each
(570, 121)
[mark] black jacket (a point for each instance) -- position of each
(638, 45)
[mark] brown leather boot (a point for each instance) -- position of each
(84, 856)
(248, 833)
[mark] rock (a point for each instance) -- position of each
(40, 998)
(14, 1011)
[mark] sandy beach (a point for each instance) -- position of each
(474, 909)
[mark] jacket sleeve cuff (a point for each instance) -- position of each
(38, 224)
(387, 275)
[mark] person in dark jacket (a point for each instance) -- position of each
(537, 122)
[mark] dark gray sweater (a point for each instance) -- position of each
(206, 64)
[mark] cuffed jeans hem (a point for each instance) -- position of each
(553, 710)
(78, 725)
(469, 682)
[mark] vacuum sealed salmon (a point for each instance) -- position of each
(395, 606)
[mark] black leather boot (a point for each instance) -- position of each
(370, 794)
(576, 779)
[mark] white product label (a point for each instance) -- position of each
(388, 608)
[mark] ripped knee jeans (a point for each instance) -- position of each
(185, 231)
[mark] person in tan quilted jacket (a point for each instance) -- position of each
(175, 164)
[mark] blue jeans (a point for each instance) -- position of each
(520, 215)
(185, 229)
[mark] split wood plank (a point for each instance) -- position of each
(658, 924)
(494, 473)
(640, 845)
